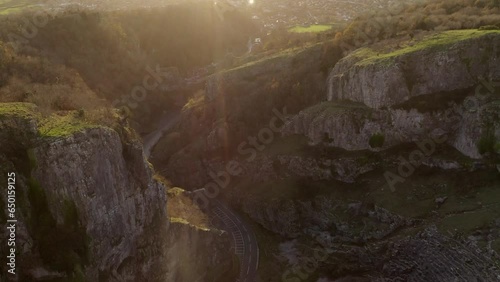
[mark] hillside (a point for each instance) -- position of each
(401, 157)
(175, 143)
(109, 55)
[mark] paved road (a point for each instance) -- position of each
(244, 241)
(166, 122)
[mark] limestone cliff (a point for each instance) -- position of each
(434, 85)
(351, 128)
(112, 188)
(89, 207)
(89, 175)
(379, 77)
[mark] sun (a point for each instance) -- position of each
(251, 2)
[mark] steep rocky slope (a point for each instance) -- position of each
(87, 199)
(89, 207)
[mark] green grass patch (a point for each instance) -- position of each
(185, 222)
(457, 204)
(15, 9)
(14, 6)
(25, 110)
(467, 222)
(60, 126)
(315, 28)
(489, 196)
(400, 203)
(53, 126)
(439, 41)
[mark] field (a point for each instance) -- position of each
(12, 6)
(312, 28)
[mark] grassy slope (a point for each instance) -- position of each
(52, 126)
(17, 109)
(59, 126)
(437, 41)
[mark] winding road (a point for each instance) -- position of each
(165, 124)
(244, 241)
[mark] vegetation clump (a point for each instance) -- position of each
(182, 209)
(487, 143)
(377, 140)
(25, 110)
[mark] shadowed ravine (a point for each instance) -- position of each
(245, 244)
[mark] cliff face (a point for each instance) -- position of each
(349, 129)
(112, 188)
(185, 261)
(89, 207)
(433, 86)
(444, 62)
(323, 184)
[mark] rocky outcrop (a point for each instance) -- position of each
(113, 190)
(332, 124)
(442, 62)
(92, 185)
(321, 218)
(90, 208)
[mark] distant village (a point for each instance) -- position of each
(289, 13)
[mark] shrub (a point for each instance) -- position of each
(497, 148)
(377, 140)
(487, 143)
